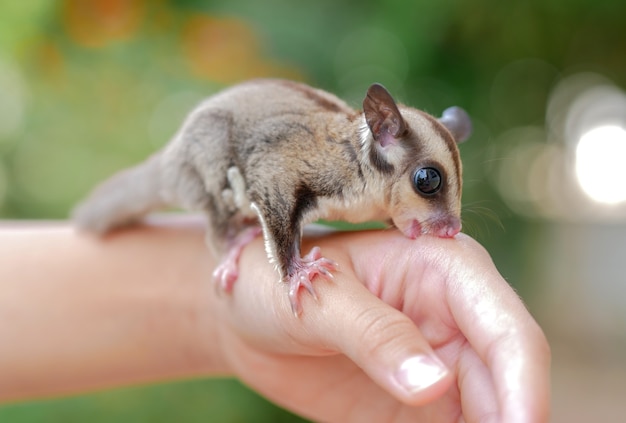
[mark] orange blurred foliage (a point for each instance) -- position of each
(227, 50)
(96, 23)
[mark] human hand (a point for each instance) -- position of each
(409, 330)
(135, 307)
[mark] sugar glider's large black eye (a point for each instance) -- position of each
(427, 180)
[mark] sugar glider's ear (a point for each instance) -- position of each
(382, 116)
(458, 122)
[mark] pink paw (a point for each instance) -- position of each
(307, 268)
(227, 272)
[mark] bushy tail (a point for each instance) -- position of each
(122, 199)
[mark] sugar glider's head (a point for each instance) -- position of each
(418, 157)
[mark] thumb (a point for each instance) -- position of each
(382, 341)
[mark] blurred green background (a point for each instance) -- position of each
(88, 87)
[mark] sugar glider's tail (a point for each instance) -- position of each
(122, 199)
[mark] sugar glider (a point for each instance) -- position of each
(269, 156)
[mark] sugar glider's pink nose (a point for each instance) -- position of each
(447, 227)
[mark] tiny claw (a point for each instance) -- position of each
(306, 283)
(296, 309)
(314, 255)
(330, 263)
(324, 271)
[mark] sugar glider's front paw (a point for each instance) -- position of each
(306, 268)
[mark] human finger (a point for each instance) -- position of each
(502, 332)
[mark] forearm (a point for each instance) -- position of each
(78, 313)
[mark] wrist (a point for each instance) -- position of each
(189, 300)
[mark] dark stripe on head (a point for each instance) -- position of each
(379, 163)
(314, 96)
(447, 137)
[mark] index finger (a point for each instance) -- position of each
(502, 332)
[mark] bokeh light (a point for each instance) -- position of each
(600, 167)
(573, 169)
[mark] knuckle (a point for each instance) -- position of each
(381, 330)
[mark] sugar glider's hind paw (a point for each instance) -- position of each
(307, 268)
(227, 272)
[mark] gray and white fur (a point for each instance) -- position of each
(281, 154)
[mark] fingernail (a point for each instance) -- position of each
(420, 372)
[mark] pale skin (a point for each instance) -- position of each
(421, 330)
